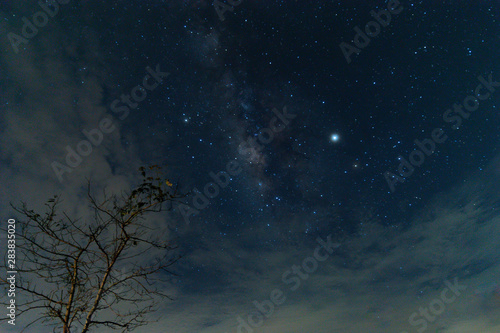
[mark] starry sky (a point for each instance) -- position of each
(314, 133)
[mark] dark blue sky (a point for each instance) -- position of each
(228, 81)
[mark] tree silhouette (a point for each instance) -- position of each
(80, 276)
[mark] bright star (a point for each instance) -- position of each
(334, 138)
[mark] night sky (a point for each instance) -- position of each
(314, 133)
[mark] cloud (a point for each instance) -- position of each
(374, 282)
(50, 97)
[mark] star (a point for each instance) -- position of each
(334, 137)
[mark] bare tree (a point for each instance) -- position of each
(69, 268)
